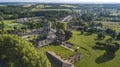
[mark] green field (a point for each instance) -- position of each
(40, 6)
(27, 5)
(90, 55)
(68, 6)
(117, 29)
(7, 22)
(111, 24)
(34, 9)
(62, 52)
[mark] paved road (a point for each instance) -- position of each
(67, 19)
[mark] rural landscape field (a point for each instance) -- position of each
(59, 34)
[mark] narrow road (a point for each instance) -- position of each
(67, 19)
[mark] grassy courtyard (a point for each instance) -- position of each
(89, 54)
(62, 52)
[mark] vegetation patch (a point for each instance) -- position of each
(90, 56)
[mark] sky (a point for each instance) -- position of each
(78, 1)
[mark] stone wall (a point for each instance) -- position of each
(74, 58)
(44, 42)
(57, 61)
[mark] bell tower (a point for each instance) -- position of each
(47, 28)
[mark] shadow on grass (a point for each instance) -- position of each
(85, 50)
(98, 48)
(87, 34)
(98, 39)
(54, 44)
(104, 58)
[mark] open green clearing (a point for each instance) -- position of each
(89, 55)
(111, 24)
(68, 6)
(117, 29)
(27, 5)
(40, 6)
(7, 22)
(62, 52)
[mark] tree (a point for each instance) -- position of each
(85, 27)
(2, 26)
(1, 18)
(91, 24)
(82, 31)
(100, 44)
(109, 31)
(87, 17)
(16, 16)
(1, 14)
(113, 35)
(61, 25)
(100, 24)
(28, 15)
(68, 35)
(111, 48)
(109, 40)
(118, 36)
(101, 36)
(16, 52)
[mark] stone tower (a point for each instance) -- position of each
(47, 28)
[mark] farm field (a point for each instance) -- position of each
(68, 6)
(27, 5)
(7, 22)
(34, 9)
(111, 24)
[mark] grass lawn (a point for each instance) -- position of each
(90, 55)
(57, 49)
(8, 24)
(111, 24)
(8, 21)
(117, 29)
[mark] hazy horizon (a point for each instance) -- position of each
(65, 1)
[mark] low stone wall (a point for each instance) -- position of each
(57, 61)
(74, 58)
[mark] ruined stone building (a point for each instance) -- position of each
(57, 61)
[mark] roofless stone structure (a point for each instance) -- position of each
(57, 61)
